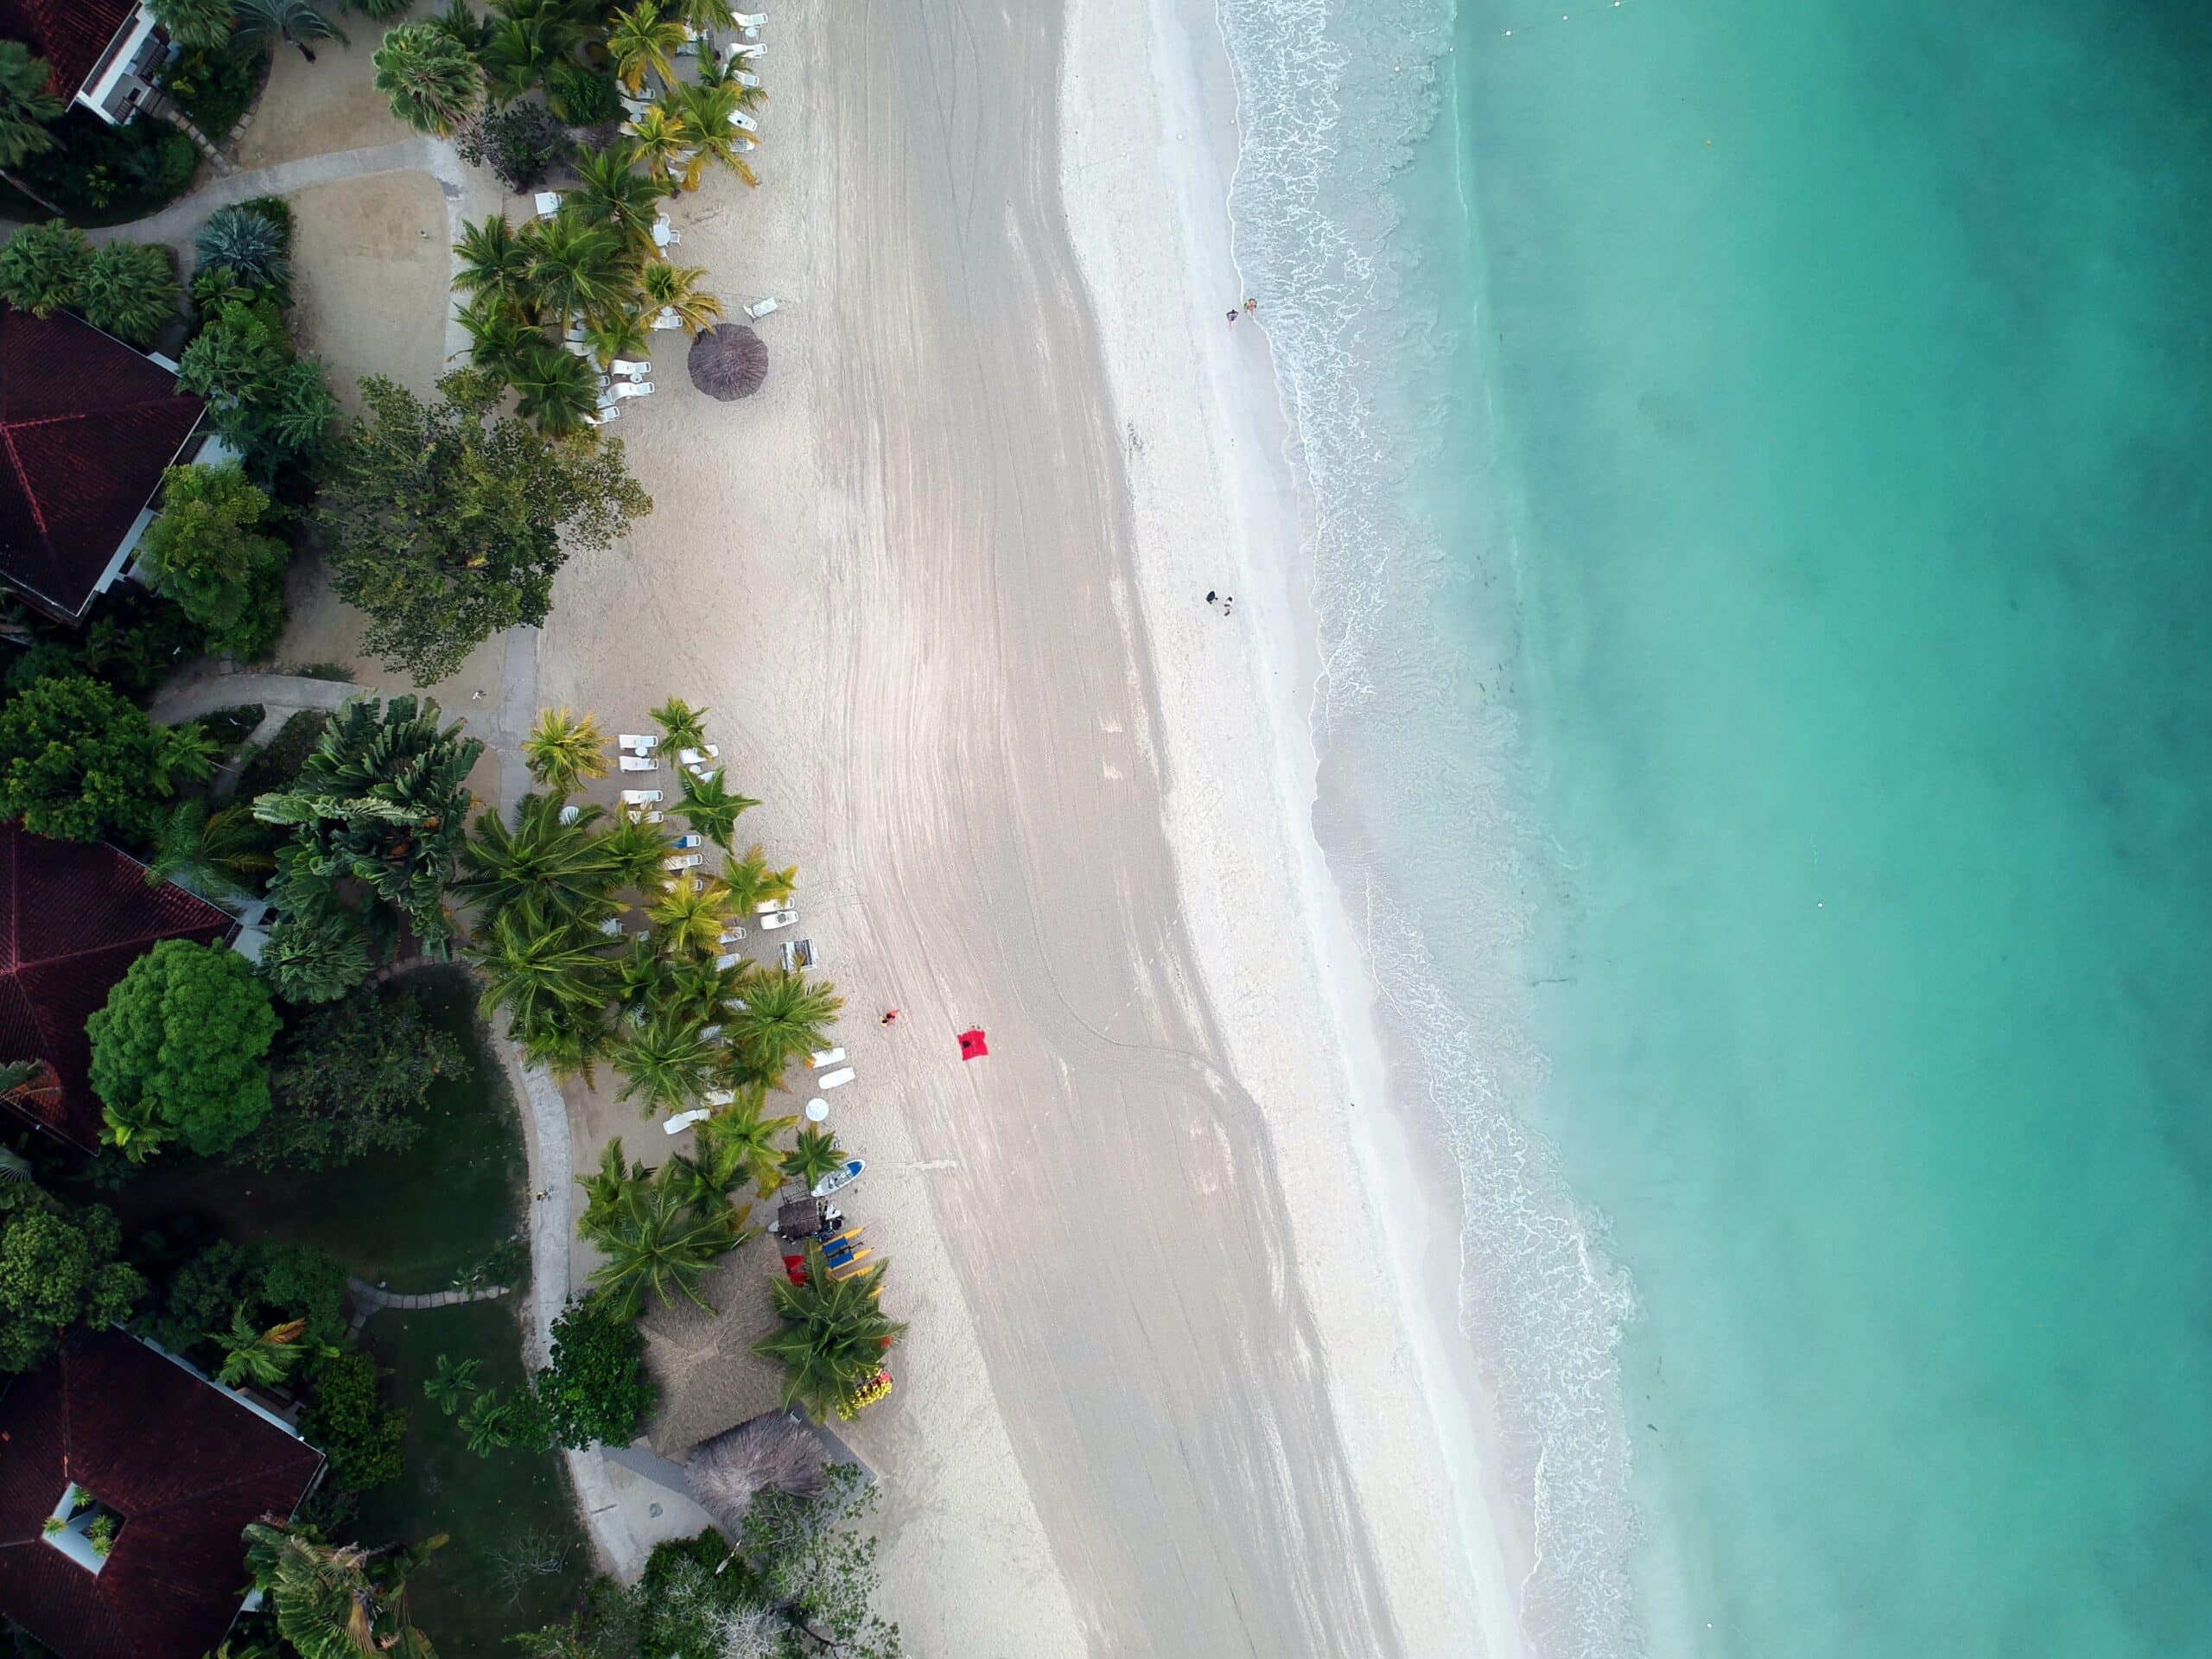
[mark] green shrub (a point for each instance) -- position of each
(272, 1280)
(228, 727)
(215, 86)
(43, 268)
(79, 763)
(99, 174)
(207, 552)
(596, 1388)
(352, 1080)
(520, 143)
(360, 1435)
(131, 289)
(247, 241)
(277, 762)
(582, 96)
(179, 1052)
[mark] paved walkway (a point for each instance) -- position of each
(288, 693)
(178, 222)
(375, 1296)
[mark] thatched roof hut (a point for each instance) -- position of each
(727, 361)
(709, 1377)
(776, 1453)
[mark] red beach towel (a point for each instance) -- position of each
(972, 1046)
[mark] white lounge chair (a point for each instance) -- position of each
(642, 814)
(718, 1097)
(632, 388)
(684, 1121)
(602, 414)
(631, 368)
(780, 918)
(797, 954)
(549, 203)
(612, 927)
(747, 49)
(704, 772)
(837, 1080)
(743, 122)
(748, 19)
(732, 934)
(641, 797)
(746, 78)
(684, 862)
(695, 758)
(639, 763)
(826, 1056)
(579, 347)
(685, 843)
(570, 813)
(638, 742)
(667, 318)
(760, 309)
(727, 961)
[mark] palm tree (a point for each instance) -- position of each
(500, 337)
(546, 978)
(643, 39)
(707, 107)
(216, 854)
(316, 956)
(26, 107)
(752, 881)
(784, 1016)
(663, 141)
(529, 38)
(834, 1333)
(657, 1240)
(606, 1187)
(130, 290)
(259, 1358)
(337, 1601)
(691, 918)
(550, 869)
(666, 1063)
(474, 33)
(740, 1133)
(554, 388)
(815, 1155)
(563, 748)
(434, 82)
(634, 849)
(578, 269)
(204, 24)
(681, 724)
(485, 1426)
(700, 989)
(494, 264)
(641, 980)
(295, 22)
(675, 288)
(243, 239)
(611, 195)
(134, 1130)
(570, 1049)
(452, 1384)
(618, 334)
(709, 806)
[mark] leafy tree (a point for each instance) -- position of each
(244, 239)
(57, 1269)
(834, 1332)
(129, 289)
(448, 527)
(26, 108)
(741, 1138)
(548, 869)
(383, 799)
(473, 32)
(547, 979)
(595, 1389)
(500, 337)
(665, 1064)
(578, 269)
(219, 852)
(711, 806)
(206, 552)
(706, 106)
(682, 725)
(554, 388)
(43, 268)
(352, 1080)
(182, 1042)
(272, 1280)
(582, 94)
(815, 1153)
(785, 1015)
(433, 80)
(336, 1601)
(815, 1570)
(452, 1384)
(294, 23)
(264, 399)
(657, 1241)
(316, 956)
(195, 23)
(360, 1435)
(643, 40)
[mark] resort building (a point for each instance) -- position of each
(73, 918)
(87, 426)
(103, 52)
(126, 1479)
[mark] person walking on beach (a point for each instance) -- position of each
(890, 1018)
(1233, 316)
(1213, 598)
(1250, 306)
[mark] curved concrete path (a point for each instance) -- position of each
(179, 221)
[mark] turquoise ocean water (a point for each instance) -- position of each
(1766, 565)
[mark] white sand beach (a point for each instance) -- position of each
(941, 583)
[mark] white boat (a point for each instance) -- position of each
(838, 1180)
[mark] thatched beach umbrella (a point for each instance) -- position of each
(773, 1452)
(728, 360)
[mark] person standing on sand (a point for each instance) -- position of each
(1233, 316)
(890, 1018)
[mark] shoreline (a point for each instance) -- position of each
(1390, 1144)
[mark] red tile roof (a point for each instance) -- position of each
(86, 427)
(184, 1464)
(72, 919)
(68, 34)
